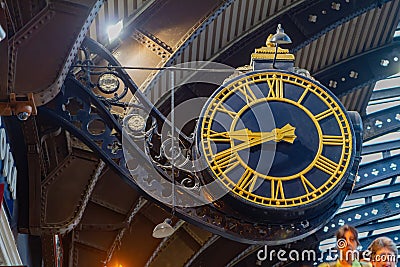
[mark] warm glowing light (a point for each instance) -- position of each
(113, 31)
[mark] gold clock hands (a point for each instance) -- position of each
(246, 144)
(286, 134)
(250, 139)
(241, 135)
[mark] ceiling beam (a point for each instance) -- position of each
(381, 122)
(60, 24)
(377, 171)
(360, 70)
(380, 147)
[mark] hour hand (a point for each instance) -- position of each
(242, 135)
(286, 133)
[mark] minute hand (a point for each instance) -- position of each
(286, 133)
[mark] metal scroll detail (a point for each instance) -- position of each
(91, 107)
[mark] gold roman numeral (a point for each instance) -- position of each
(222, 108)
(217, 137)
(332, 140)
(326, 165)
(308, 186)
(324, 114)
(275, 87)
(228, 161)
(248, 93)
(277, 193)
(303, 95)
(248, 181)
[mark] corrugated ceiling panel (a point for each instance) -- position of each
(272, 8)
(201, 52)
(121, 8)
(218, 27)
(356, 99)
(333, 48)
(224, 33)
(350, 39)
(231, 26)
(240, 23)
(357, 31)
(210, 40)
(370, 38)
(362, 44)
(351, 28)
(238, 18)
(251, 5)
(389, 29)
(346, 28)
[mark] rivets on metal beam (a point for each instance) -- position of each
(312, 18)
(335, 6)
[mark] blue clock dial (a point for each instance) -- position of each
(275, 139)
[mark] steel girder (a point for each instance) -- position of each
(385, 93)
(377, 171)
(382, 122)
(197, 32)
(378, 225)
(63, 24)
(380, 147)
(361, 70)
(367, 193)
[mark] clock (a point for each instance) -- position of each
(278, 142)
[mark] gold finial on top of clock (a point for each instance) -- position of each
(272, 51)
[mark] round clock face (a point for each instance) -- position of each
(275, 139)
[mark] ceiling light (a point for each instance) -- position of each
(280, 37)
(163, 229)
(113, 31)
